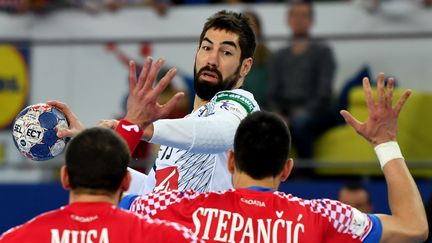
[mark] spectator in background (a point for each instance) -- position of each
(356, 195)
(33, 6)
(257, 80)
(160, 6)
(301, 80)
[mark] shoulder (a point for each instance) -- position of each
(238, 96)
(30, 227)
(145, 229)
(151, 203)
(169, 230)
(340, 217)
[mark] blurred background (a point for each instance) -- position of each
(76, 51)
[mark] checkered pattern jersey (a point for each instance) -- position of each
(245, 215)
(96, 222)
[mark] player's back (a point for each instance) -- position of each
(245, 215)
(94, 222)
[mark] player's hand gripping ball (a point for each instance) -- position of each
(35, 132)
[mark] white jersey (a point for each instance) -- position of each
(194, 155)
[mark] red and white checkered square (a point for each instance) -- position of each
(152, 203)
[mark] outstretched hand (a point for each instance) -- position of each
(75, 126)
(381, 124)
(142, 106)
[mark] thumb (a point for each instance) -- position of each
(65, 133)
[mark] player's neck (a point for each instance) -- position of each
(241, 180)
(198, 102)
(112, 199)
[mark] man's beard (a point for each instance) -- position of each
(206, 90)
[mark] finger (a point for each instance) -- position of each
(70, 116)
(380, 87)
(111, 124)
(171, 104)
(66, 133)
(153, 74)
(368, 93)
(402, 100)
(144, 72)
(56, 103)
(389, 93)
(132, 76)
(103, 123)
(164, 82)
(351, 120)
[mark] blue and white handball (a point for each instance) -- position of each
(35, 132)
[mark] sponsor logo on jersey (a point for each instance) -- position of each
(253, 202)
(84, 219)
(247, 104)
(166, 179)
(129, 128)
(359, 223)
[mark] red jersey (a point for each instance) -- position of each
(95, 222)
(246, 215)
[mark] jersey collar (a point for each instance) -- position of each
(260, 188)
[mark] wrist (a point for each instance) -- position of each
(130, 132)
(388, 151)
(132, 120)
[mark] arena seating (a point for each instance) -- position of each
(341, 145)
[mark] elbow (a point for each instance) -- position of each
(424, 233)
(420, 232)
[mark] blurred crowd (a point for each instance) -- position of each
(296, 81)
(161, 6)
(45, 6)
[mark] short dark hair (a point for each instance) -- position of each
(261, 145)
(97, 159)
(237, 23)
(354, 186)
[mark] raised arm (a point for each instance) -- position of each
(407, 222)
(142, 106)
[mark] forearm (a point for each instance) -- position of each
(213, 134)
(405, 202)
(407, 222)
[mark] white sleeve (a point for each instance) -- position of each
(211, 134)
(138, 182)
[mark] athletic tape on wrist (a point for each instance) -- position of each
(130, 132)
(388, 151)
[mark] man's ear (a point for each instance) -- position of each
(246, 66)
(64, 178)
(286, 171)
(124, 186)
(231, 162)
